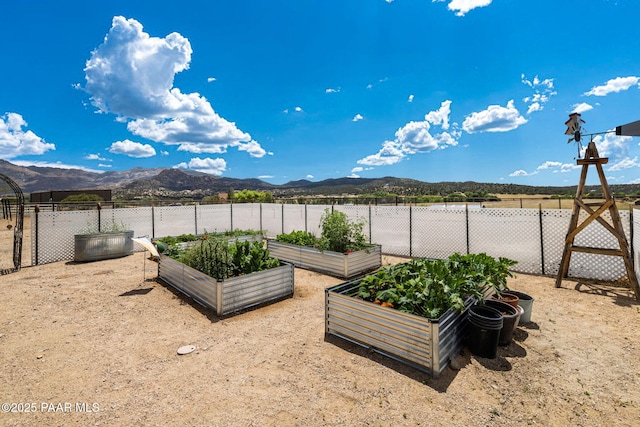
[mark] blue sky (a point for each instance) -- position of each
(435, 90)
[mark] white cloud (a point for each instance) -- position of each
(614, 85)
(556, 167)
(132, 149)
(164, 153)
(95, 156)
(253, 148)
(536, 106)
(581, 108)
(440, 116)
(131, 75)
(370, 85)
(389, 154)
(357, 118)
(265, 176)
(463, 6)
(203, 148)
(543, 91)
(103, 165)
(58, 165)
(298, 109)
(14, 141)
(416, 137)
(309, 176)
(206, 165)
(521, 172)
(625, 163)
(331, 90)
(494, 119)
(211, 79)
(549, 165)
(612, 145)
(410, 98)
(568, 167)
(357, 169)
(353, 175)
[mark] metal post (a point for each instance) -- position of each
(541, 236)
(410, 231)
(631, 231)
(467, 221)
(370, 229)
(36, 210)
(99, 218)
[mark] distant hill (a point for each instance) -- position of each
(177, 183)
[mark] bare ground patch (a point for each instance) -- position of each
(107, 333)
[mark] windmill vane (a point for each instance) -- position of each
(574, 128)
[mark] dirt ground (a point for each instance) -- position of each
(96, 344)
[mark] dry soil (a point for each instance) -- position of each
(96, 344)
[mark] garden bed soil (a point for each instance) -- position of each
(106, 333)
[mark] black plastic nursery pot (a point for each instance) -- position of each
(483, 331)
(510, 317)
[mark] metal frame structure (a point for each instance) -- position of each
(17, 230)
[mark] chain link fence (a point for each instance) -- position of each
(533, 237)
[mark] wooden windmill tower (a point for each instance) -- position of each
(595, 210)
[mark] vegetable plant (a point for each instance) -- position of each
(338, 234)
(221, 259)
(300, 238)
(430, 287)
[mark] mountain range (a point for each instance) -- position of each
(178, 183)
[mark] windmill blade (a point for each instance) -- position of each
(630, 129)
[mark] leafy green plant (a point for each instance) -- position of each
(300, 238)
(338, 234)
(428, 287)
(249, 257)
(220, 259)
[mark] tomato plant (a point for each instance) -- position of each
(338, 234)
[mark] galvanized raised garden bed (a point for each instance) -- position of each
(423, 343)
(98, 246)
(231, 294)
(328, 262)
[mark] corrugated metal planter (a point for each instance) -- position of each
(425, 344)
(332, 263)
(231, 294)
(98, 246)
